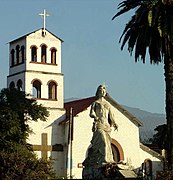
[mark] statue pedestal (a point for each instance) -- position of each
(107, 171)
(92, 173)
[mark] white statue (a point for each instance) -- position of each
(100, 152)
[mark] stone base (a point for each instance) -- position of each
(92, 173)
(107, 171)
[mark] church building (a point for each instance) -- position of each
(35, 67)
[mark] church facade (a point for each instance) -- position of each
(35, 67)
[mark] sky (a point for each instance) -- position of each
(91, 53)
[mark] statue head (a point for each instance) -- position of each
(101, 91)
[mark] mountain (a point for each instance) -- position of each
(149, 120)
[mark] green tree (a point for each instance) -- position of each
(17, 160)
(23, 164)
(151, 30)
(16, 110)
(160, 137)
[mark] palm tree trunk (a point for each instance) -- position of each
(168, 62)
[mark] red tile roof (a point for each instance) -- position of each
(78, 106)
(82, 104)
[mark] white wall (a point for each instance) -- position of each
(44, 78)
(55, 136)
(127, 136)
(157, 159)
(51, 41)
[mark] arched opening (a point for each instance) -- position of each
(36, 89)
(52, 90)
(147, 168)
(23, 53)
(17, 53)
(117, 151)
(34, 53)
(12, 85)
(19, 85)
(12, 57)
(53, 56)
(43, 53)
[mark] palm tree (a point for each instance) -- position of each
(150, 30)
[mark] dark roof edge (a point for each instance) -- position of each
(78, 100)
(150, 151)
(71, 104)
(115, 104)
(34, 32)
(123, 110)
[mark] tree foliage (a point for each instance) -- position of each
(16, 110)
(23, 164)
(17, 160)
(160, 137)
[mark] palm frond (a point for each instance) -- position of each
(132, 40)
(155, 47)
(128, 26)
(126, 38)
(141, 45)
(150, 17)
(136, 33)
(170, 23)
(151, 27)
(127, 5)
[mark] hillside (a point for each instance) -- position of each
(149, 121)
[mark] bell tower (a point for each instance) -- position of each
(35, 68)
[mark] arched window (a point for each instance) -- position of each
(23, 53)
(12, 57)
(43, 53)
(19, 85)
(12, 85)
(115, 152)
(52, 90)
(53, 56)
(36, 90)
(147, 168)
(34, 53)
(17, 54)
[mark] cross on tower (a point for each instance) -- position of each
(44, 14)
